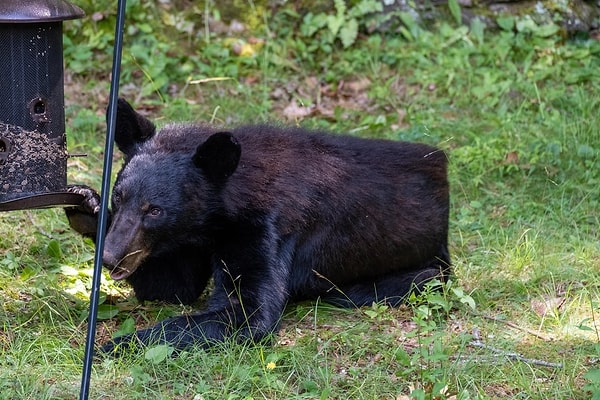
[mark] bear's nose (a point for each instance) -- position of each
(109, 259)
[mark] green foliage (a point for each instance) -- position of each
(411, 29)
(158, 354)
(454, 8)
(10, 261)
(377, 311)
(593, 376)
(342, 25)
(430, 362)
(149, 58)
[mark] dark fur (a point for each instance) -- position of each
(273, 215)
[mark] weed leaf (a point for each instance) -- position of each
(54, 250)
(107, 311)
(477, 30)
(349, 32)
(127, 327)
(506, 23)
(455, 10)
(158, 354)
(411, 30)
(334, 23)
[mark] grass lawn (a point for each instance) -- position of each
(517, 112)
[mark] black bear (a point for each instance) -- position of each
(273, 215)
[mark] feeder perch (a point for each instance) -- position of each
(33, 152)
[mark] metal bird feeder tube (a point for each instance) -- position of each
(33, 152)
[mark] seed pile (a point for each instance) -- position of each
(32, 162)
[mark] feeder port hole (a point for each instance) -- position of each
(4, 147)
(38, 108)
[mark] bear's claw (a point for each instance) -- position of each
(91, 201)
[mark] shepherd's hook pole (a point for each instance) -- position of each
(103, 215)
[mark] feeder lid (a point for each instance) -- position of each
(27, 11)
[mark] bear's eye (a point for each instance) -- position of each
(154, 211)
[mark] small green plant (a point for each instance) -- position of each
(377, 311)
(10, 261)
(593, 378)
(429, 363)
(593, 374)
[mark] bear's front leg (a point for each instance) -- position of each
(250, 293)
(181, 332)
(84, 218)
(205, 329)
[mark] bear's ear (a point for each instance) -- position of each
(132, 128)
(218, 156)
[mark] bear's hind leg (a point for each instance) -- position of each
(390, 289)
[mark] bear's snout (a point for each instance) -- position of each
(122, 267)
(125, 247)
(109, 259)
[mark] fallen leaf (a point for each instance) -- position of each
(294, 111)
(511, 158)
(352, 88)
(547, 304)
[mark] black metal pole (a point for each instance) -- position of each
(103, 215)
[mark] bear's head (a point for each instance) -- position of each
(166, 190)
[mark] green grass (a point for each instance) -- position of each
(517, 113)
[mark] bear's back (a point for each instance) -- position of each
(294, 168)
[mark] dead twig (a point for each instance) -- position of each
(521, 328)
(37, 226)
(477, 342)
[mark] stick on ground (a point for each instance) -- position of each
(477, 342)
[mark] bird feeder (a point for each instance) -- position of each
(33, 152)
